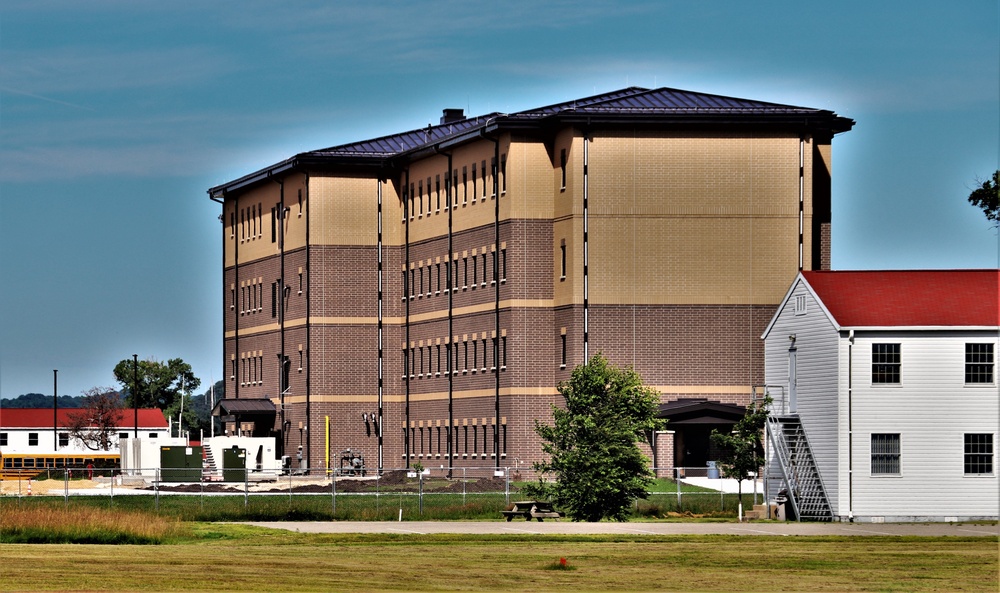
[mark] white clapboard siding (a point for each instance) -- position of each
(816, 364)
(931, 409)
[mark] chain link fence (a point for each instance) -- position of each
(396, 494)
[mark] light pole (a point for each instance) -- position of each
(135, 392)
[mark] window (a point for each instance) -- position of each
(562, 166)
(562, 364)
(3, 439)
(437, 190)
(153, 435)
(274, 299)
(473, 183)
(885, 364)
(32, 439)
(429, 205)
(979, 363)
(420, 205)
(64, 439)
(483, 168)
(503, 264)
(465, 183)
(122, 435)
(274, 225)
(484, 267)
(885, 454)
(978, 453)
(562, 260)
(800, 304)
(493, 174)
(503, 173)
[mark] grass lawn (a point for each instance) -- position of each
(224, 557)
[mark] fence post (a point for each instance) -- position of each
(333, 492)
(289, 490)
(420, 496)
(506, 485)
(65, 488)
(156, 488)
(463, 486)
(677, 482)
(246, 488)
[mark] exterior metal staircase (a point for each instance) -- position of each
(210, 472)
(799, 474)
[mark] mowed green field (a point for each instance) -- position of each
(220, 557)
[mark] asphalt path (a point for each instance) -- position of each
(610, 528)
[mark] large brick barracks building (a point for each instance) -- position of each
(418, 297)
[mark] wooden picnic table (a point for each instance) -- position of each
(532, 509)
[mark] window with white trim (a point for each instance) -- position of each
(979, 363)
(978, 453)
(885, 454)
(886, 364)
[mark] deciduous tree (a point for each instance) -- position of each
(594, 443)
(987, 198)
(95, 424)
(743, 449)
(161, 385)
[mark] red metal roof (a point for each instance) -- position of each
(909, 298)
(42, 418)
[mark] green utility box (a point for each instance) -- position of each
(234, 464)
(180, 464)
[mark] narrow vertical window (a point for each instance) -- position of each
(474, 193)
(484, 178)
(274, 299)
(484, 267)
(562, 167)
(503, 264)
(475, 272)
(274, 225)
(420, 200)
(475, 355)
(503, 173)
(300, 202)
(562, 260)
(493, 176)
(485, 352)
(465, 183)
(503, 352)
(562, 358)
(465, 265)
(429, 205)
(437, 190)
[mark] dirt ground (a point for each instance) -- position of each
(15, 487)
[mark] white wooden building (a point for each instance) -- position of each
(885, 384)
(44, 432)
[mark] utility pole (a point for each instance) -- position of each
(135, 391)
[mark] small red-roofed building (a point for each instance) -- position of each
(40, 432)
(885, 395)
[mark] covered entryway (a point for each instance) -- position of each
(692, 421)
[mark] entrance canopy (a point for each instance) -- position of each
(699, 411)
(259, 414)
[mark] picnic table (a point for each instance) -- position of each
(532, 509)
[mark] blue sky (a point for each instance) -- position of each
(116, 116)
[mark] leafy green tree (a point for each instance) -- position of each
(987, 198)
(161, 385)
(743, 448)
(594, 443)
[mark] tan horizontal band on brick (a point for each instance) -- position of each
(267, 328)
(703, 389)
(433, 315)
(422, 397)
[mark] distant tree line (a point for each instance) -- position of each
(39, 400)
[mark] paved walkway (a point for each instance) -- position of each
(605, 528)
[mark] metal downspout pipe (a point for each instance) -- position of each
(586, 248)
(381, 343)
(850, 426)
(406, 303)
(305, 199)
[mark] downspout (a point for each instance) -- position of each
(381, 349)
(850, 426)
(451, 201)
(496, 302)
(281, 309)
(305, 198)
(802, 149)
(586, 249)
(406, 302)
